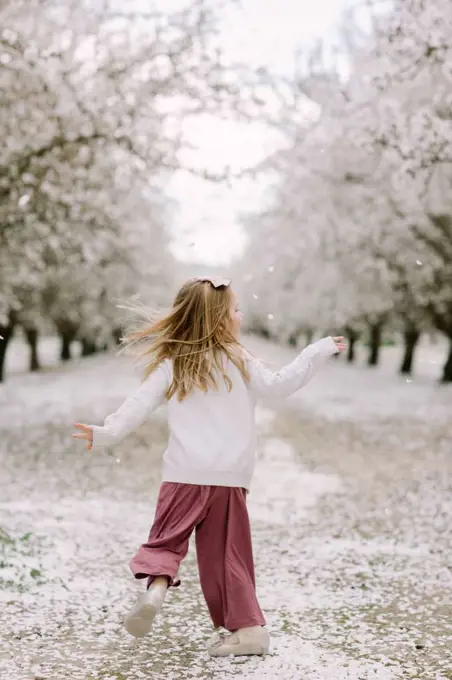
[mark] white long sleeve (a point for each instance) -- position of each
(293, 376)
(212, 434)
(134, 411)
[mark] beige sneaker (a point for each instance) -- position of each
(139, 620)
(244, 642)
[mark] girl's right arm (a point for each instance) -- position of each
(293, 376)
(133, 412)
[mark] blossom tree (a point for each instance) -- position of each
(360, 219)
(94, 98)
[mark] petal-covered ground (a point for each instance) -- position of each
(351, 510)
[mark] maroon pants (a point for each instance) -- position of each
(223, 546)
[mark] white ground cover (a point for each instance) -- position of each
(350, 508)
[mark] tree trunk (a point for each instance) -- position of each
(67, 330)
(443, 323)
(447, 370)
(66, 339)
(352, 338)
(309, 336)
(88, 347)
(32, 335)
(6, 333)
(411, 338)
(375, 343)
(263, 332)
(117, 335)
(292, 340)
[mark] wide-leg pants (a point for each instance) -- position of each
(219, 516)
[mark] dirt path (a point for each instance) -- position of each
(351, 523)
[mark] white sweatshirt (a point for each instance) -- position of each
(212, 435)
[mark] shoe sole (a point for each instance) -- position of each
(140, 623)
(244, 649)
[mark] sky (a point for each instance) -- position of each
(207, 228)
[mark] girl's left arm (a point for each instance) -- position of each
(134, 411)
(293, 376)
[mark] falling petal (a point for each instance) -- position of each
(270, 316)
(271, 268)
(255, 296)
(23, 200)
(419, 263)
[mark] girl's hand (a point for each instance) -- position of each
(86, 433)
(339, 342)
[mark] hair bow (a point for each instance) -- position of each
(216, 281)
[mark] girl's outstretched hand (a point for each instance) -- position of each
(86, 433)
(339, 342)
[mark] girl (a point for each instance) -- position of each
(199, 368)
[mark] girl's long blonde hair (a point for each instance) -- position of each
(197, 336)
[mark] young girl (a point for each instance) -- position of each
(199, 368)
